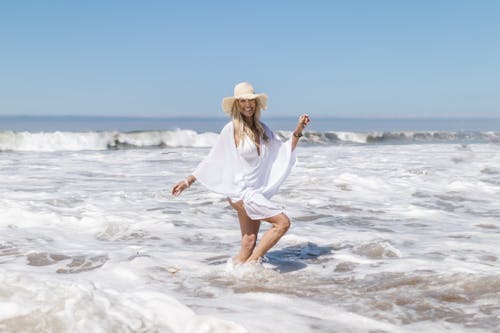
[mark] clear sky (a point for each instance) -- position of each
(180, 58)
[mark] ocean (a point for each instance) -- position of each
(395, 228)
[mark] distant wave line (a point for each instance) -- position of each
(105, 140)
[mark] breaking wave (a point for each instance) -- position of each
(329, 138)
(74, 141)
(71, 141)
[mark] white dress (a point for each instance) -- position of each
(240, 173)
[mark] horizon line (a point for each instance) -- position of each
(267, 117)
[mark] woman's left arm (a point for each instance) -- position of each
(297, 133)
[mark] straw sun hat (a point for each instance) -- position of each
(243, 90)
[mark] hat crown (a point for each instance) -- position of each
(243, 88)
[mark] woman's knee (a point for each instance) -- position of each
(283, 223)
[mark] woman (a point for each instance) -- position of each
(247, 165)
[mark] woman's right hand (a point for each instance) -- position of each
(179, 187)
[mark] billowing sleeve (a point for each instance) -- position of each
(281, 161)
(220, 170)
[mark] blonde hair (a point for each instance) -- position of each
(241, 127)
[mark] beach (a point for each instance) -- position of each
(393, 230)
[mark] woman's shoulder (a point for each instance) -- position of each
(227, 131)
(227, 127)
(264, 126)
(268, 131)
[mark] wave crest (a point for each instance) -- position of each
(332, 138)
(74, 141)
(71, 141)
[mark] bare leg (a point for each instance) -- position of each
(249, 231)
(280, 223)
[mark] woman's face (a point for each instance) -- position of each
(247, 107)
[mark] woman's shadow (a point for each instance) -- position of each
(294, 258)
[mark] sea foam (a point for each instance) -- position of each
(389, 237)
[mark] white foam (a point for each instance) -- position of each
(76, 141)
(55, 141)
(92, 232)
(353, 137)
(87, 308)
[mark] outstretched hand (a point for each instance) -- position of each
(179, 187)
(297, 133)
(303, 121)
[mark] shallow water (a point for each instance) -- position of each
(384, 238)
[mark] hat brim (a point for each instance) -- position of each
(227, 103)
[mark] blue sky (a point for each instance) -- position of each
(328, 58)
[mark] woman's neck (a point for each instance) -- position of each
(249, 122)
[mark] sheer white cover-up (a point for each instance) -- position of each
(241, 173)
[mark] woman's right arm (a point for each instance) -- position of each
(183, 184)
(211, 171)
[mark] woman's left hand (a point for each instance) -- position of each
(303, 121)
